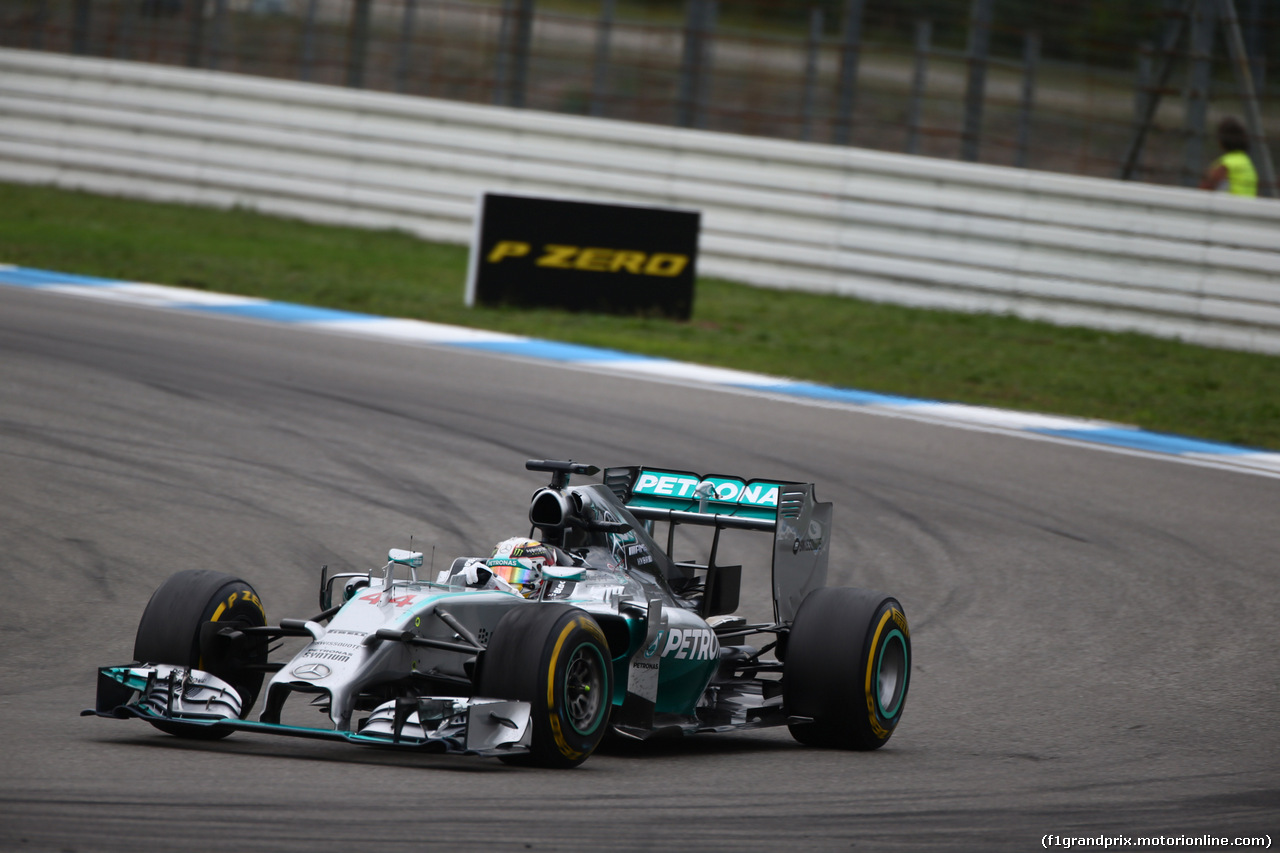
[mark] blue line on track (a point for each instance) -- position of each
(1116, 436)
(280, 312)
(1138, 439)
(551, 351)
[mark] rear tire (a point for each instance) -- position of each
(169, 632)
(556, 658)
(848, 667)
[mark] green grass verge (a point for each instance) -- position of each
(998, 361)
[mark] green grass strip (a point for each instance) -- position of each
(1153, 383)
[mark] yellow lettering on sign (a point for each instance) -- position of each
(595, 260)
(632, 262)
(666, 265)
(560, 257)
(508, 249)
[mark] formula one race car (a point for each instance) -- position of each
(535, 661)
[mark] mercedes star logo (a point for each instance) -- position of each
(311, 671)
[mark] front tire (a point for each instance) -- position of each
(170, 628)
(556, 658)
(848, 667)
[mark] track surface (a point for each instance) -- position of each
(1095, 635)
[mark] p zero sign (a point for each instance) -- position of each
(583, 256)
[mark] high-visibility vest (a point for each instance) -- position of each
(1242, 179)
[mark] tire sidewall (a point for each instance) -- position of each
(841, 641)
(528, 660)
(170, 627)
(889, 637)
(576, 634)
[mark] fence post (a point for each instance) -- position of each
(1257, 57)
(689, 64)
(813, 53)
(1142, 86)
(1142, 93)
(975, 90)
(600, 76)
(850, 48)
(358, 43)
(502, 57)
(195, 44)
(39, 20)
(406, 46)
(80, 23)
(924, 37)
(124, 34)
(307, 56)
(1030, 59)
(149, 26)
(1204, 17)
(523, 36)
(706, 44)
(695, 66)
(219, 34)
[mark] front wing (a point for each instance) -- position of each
(174, 694)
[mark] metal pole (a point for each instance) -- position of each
(1142, 85)
(406, 46)
(40, 20)
(1257, 58)
(358, 43)
(1258, 149)
(219, 30)
(523, 37)
(600, 77)
(502, 59)
(1142, 93)
(195, 45)
(150, 22)
(975, 90)
(919, 77)
(80, 23)
(706, 45)
(307, 57)
(1173, 31)
(813, 50)
(850, 48)
(1030, 59)
(691, 69)
(124, 33)
(1203, 20)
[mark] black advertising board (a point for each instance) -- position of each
(583, 256)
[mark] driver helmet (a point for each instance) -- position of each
(519, 562)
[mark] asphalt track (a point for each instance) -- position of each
(1095, 634)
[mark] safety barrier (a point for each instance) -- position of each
(909, 230)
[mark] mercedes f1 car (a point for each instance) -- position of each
(617, 636)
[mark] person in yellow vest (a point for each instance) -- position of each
(1233, 172)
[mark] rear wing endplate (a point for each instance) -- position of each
(801, 526)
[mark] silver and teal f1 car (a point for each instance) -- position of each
(619, 637)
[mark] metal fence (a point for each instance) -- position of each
(1067, 87)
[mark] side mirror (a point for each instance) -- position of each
(354, 580)
(412, 559)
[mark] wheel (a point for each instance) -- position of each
(170, 629)
(847, 668)
(555, 657)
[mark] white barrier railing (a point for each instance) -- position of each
(887, 227)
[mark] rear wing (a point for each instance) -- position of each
(801, 526)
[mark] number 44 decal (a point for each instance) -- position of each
(398, 601)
